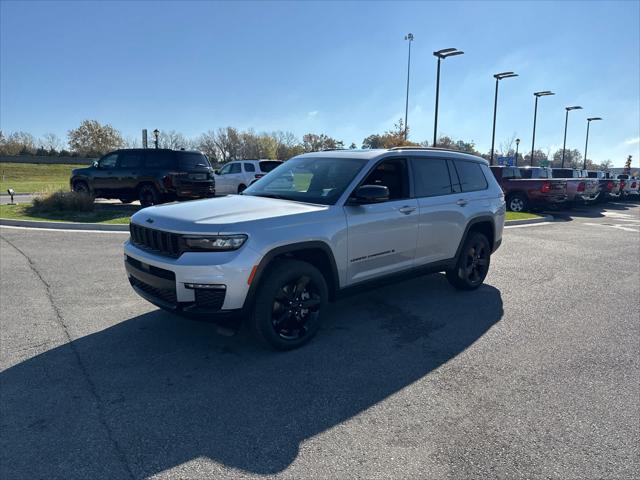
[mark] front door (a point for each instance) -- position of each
(382, 236)
(228, 179)
(105, 179)
(129, 165)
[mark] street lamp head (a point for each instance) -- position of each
(575, 107)
(500, 76)
(447, 52)
(409, 37)
(517, 141)
(156, 131)
(544, 93)
(593, 118)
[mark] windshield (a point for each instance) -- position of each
(308, 179)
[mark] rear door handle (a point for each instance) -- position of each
(462, 202)
(407, 209)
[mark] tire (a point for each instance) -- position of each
(81, 187)
(517, 203)
(279, 319)
(472, 264)
(148, 195)
(241, 188)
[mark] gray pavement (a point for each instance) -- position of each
(534, 375)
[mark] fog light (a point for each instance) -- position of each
(203, 286)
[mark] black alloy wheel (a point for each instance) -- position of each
(473, 263)
(296, 307)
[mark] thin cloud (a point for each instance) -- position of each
(312, 113)
(632, 141)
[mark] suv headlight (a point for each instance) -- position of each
(214, 243)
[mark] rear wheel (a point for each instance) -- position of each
(473, 262)
(148, 195)
(517, 203)
(289, 304)
(241, 188)
(81, 187)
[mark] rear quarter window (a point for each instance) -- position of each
(471, 176)
(159, 159)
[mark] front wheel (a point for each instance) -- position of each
(289, 304)
(472, 265)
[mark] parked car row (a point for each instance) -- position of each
(527, 188)
(156, 176)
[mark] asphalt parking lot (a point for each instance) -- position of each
(534, 375)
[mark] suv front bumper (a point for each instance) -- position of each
(176, 284)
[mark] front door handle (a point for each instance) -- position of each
(462, 202)
(406, 209)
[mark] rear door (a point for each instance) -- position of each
(382, 236)
(130, 164)
(441, 218)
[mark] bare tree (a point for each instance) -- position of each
(51, 142)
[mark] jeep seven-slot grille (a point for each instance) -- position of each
(156, 241)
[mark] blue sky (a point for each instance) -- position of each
(338, 68)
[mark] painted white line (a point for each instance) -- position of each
(528, 225)
(619, 227)
(62, 230)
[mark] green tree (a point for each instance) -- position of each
(572, 158)
(93, 139)
(312, 142)
(606, 165)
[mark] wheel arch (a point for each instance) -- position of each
(484, 224)
(317, 253)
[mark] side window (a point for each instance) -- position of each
(109, 161)
(391, 173)
(224, 170)
(430, 177)
(234, 168)
(249, 167)
(159, 159)
(130, 160)
(471, 176)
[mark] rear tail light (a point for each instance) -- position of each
(546, 187)
(167, 181)
(622, 184)
(609, 185)
(633, 185)
(581, 187)
(259, 175)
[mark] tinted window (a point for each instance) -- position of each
(471, 176)
(234, 168)
(159, 159)
(430, 177)
(131, 159)
(511, 172)
(267, 166)
(109, 161)
(192, 161)
(391, 173)
(562, 173)
(249, 167)
(455, 181)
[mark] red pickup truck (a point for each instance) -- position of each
(523, 194)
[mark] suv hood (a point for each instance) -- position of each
(218, 214)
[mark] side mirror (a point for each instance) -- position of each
(217, 172)
(96, 164)
(370, 194)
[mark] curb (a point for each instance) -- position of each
(529, 221)
(98, 227)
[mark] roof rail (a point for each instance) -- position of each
(408, 147)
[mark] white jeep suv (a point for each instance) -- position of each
(316, 226)
(237, 175)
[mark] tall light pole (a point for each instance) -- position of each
(498, 77)
(156, 132)
(517, 145)
(409, 37)
(566, 121)
(535, 114)
(441, 54)
(586, 143)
